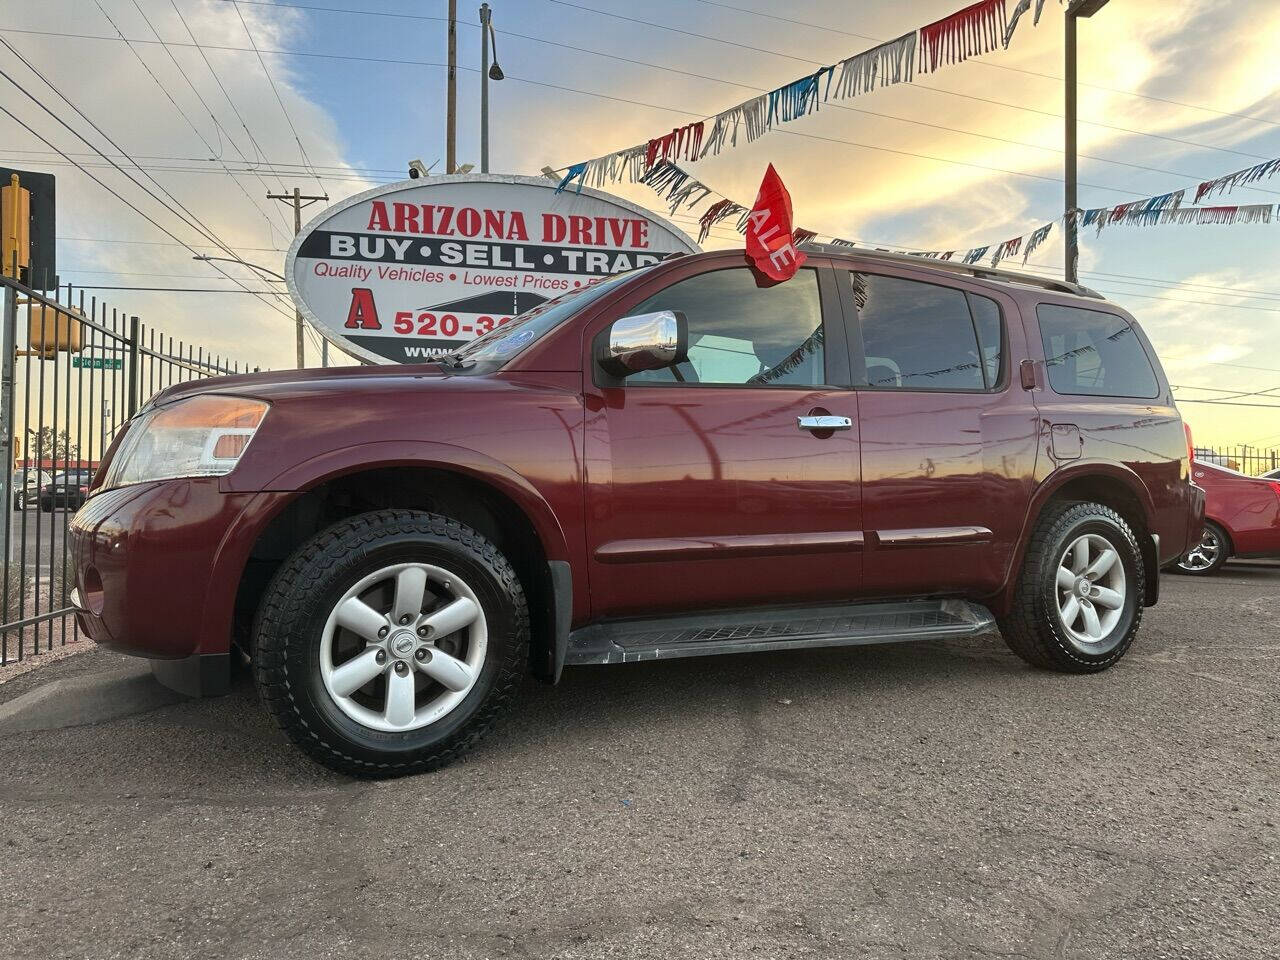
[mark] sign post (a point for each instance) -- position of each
(410, 271)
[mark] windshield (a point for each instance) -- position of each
(509, 339)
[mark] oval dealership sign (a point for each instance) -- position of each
(408, 271)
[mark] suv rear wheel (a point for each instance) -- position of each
(1078, 600)
(1209, 554)
(389, 643)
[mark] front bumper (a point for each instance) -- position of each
(157, 566)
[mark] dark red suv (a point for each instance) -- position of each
(682, 460)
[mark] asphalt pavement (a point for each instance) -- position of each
(931, 800)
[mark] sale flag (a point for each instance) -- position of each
(769, 240)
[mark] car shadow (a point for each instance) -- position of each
(229, 746)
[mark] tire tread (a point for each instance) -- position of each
(301, 575)
(1027, 628)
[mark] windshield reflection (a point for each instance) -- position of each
(502, 342)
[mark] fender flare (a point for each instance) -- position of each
(1051, 485)
(342, 461)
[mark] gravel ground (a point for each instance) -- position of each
(935, 800)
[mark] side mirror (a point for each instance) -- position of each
(646, 341)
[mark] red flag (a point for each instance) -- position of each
(769, 241)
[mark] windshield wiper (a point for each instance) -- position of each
(454, 360)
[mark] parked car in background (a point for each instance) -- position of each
(67, 489)
(1242, 518)
(24, 487)
(682, 460)
(1272, 474)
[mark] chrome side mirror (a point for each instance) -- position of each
(646, 341)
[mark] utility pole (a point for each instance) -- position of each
(1075, 10)
(484, 87)
(451, 107)
(296, 198)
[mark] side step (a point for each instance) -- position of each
(775, 628)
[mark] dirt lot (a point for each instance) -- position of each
(936, 800)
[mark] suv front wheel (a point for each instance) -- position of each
(390, 642)
(1078, 600)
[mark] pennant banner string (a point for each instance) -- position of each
(974, 30)
(679, 188)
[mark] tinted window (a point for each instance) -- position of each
(1095, 354)
(986, 320)
(920, 336)
(741, 333)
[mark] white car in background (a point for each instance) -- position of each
(25, 494)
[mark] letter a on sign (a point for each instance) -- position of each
(363, 314)
(769, 230)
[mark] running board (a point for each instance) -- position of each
(775, 628)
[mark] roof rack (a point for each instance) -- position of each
(972, 269)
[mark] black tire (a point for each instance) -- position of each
(1033, 628)
(297, 603)
(1207, 557)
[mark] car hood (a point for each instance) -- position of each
(293, 383)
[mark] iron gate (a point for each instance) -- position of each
(74, 369)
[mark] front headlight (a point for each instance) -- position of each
(203, 436)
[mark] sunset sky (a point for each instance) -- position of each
(1173, 93)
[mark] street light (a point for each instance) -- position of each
(487, 73)
(1075, 10)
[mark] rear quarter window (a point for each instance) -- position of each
(1094, 354)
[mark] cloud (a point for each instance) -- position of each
(113, 88)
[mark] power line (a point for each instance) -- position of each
(1247, 293)
(256, 293)
(746, 86)
(168, 243)
(134, 273)
(1229, 394)
(986, 63)
(631, 102)
(170, 98)
(218, 80)
(283, 109)
(1230, 403)
(788, 56)
(204, 171)
(198, 226)
(222, 131)
(260, 164)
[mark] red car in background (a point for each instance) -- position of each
(1242, 518)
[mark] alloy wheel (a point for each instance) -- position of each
(1204, 554)
(1091, 590)
(403, 647)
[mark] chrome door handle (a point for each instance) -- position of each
(824, 423)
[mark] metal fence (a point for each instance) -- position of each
(1254, 461)
(73, 370)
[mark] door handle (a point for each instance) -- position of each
(824, 423)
